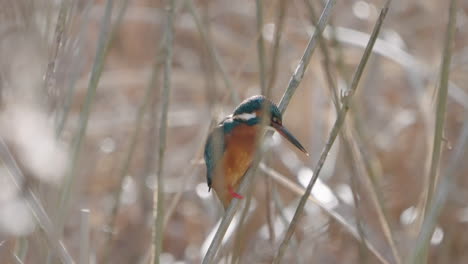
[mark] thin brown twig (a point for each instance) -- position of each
(188, 172)
(98, 65)
(326, 59)
(371, 176)
(240, 232)
(49, 78)
(150, 90)
(368, 164)
(421, 253)
(344, 137)
(346, 101)
(279, 25)
(261, 48)
(440, 109)
(158, 201)
(213, 52)
(440, 198)
(298, 74)
(294, 187)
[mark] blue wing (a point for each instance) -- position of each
(215, 147)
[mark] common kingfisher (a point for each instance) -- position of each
(230, 147)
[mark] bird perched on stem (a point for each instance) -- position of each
(230, 147)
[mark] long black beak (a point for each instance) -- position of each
(285, 133)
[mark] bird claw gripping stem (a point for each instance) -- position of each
(234, 194)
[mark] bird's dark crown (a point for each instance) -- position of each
(257, 104)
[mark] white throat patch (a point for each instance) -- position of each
(245, 116)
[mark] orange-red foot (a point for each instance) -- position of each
(234, 194)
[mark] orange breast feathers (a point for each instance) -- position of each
(238, 155)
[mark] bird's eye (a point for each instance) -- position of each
(275, 119)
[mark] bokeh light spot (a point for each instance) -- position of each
(409, 215)
(437, 236)
(361, 10)
(202, 191)
(107, 145)
(15, 218)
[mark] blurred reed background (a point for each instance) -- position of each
(82, 85)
